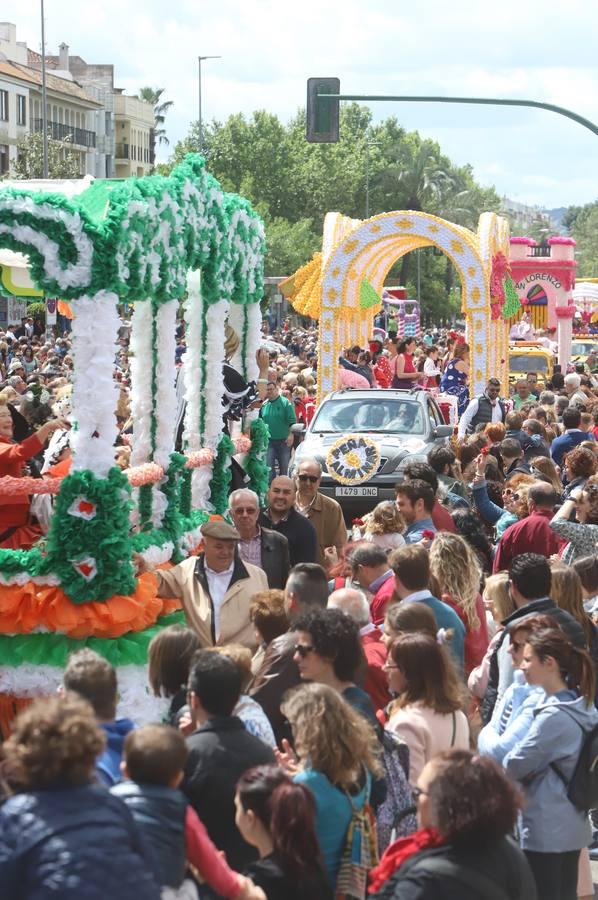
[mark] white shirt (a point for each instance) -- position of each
(218, 583)
(431, 368)
(471, 410)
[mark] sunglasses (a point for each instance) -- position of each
(303, 650)
(511, 494)
(311, 478)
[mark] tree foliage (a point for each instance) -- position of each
(63, 162)
(293, 184)
(161, 107)
(582, 222)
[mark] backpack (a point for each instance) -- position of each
(395, 816)
(582, 789)
(360, 853)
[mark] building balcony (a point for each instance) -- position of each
(58, 131)
(121, 151)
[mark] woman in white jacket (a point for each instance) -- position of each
(553, 830)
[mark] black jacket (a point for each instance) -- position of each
(219, 752)
(278, 885)
(275, 557)
(299, 532)
(501, 867)
(276, 675)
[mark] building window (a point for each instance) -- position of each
(21, 109)
(4, 163)
(4, 106)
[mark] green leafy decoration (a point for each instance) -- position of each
(512, 302)
(255, 462)
(221, 475)
(105, 537)
(54, 649)
(367, 295)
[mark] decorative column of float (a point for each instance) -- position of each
(142, 406)
(195, 367)
(564, 325)
(212, 436)
(91, 518)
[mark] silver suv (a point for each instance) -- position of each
(403, 424)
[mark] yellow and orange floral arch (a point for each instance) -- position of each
(328, 288)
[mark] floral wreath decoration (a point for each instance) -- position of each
(353, 459)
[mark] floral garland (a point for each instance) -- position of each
(221, 476)
(353, 459)
(255, 466)
(98, 546)
(19, 487)
(95, 392)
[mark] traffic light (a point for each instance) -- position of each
(322, 113)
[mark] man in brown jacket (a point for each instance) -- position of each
(324, 513)
(216, 588)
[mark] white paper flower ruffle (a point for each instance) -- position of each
(141, 382)
(192, 360)
(95, 393)
(136, 701)
(165, 400)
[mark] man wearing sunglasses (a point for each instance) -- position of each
(324, 513)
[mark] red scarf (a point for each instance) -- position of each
(399, 852)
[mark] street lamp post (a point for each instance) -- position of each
(200, 60)
(44, 107)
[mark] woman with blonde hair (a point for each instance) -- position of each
(384, 526)
(544, 469)
(337, 755)
(567, 593)
(499, 603)
(456, 570)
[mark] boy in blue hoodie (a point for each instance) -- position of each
(94, 678)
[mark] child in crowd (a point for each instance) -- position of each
(62, 835)
(384, 526)
(154, 760)
(92, 677)
(269, 619)
(277, 816)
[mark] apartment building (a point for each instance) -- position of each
(134, 135)
(112, 134)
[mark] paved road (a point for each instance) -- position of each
(594, 864)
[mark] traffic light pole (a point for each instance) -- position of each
(481, 101)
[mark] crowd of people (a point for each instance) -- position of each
(404, 709)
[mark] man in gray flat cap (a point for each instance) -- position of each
(215, 588)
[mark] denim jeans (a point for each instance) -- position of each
(278, 450)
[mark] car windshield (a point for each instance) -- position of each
(526, 362)
(375, 415)
(583, 348)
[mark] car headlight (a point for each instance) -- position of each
(410, 458)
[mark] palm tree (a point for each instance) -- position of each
(420, 178)
(152, 95)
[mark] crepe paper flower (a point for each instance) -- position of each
(148, 473)
(242, 444)
(83, 508)
(428, 533)
(18, 487)
(199, 458)
(86, 567)
(358, 522)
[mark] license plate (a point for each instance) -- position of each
(356, 492)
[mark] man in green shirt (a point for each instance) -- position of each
(279, 414)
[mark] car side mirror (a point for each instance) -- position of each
(298, 428)
(441, 431)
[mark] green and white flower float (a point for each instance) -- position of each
(150, 242)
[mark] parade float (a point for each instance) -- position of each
(152, 243)
(342, 286)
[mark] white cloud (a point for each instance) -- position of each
(536, 49)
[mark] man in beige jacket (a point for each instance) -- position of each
(216, 588)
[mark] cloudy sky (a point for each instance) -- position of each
(534, 49)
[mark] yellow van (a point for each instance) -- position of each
(529, 356)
